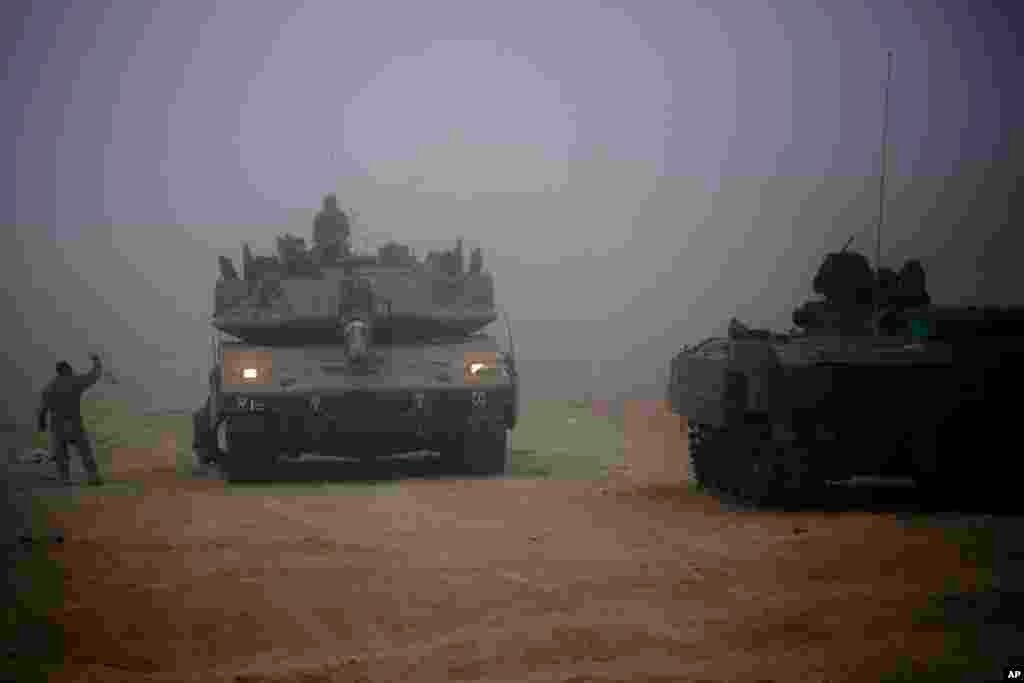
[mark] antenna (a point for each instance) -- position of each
(881, 181)
(882, 169)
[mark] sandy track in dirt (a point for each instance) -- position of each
(627, 579)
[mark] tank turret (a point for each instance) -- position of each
(852, 295)
(296, 296)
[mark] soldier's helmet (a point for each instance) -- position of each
(845, 277)
(911, 286)
(912, 273)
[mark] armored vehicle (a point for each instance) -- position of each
(905, 391)
(356, 356)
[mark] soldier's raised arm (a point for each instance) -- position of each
(93, 376)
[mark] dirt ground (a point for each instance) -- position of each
(632, 578)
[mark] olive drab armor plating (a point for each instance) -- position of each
(872, 388)
(356, 354)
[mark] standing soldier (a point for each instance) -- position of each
(331, 231)
(61, 400)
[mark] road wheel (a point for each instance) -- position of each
(745, 465)
(203, 456)
(482, 451)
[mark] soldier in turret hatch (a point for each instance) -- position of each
(331, 231)
(846, 280)
(910, 286)
(847, 283)
(227, 268)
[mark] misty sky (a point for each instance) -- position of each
(636, 174)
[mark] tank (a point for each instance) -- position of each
(358, 355)
(874, 381)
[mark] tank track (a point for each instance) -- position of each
(747, 466)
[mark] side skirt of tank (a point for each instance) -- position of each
(856, 446)
(374, 446)
(790, 463)
(745, 464)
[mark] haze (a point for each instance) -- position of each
(635, 175)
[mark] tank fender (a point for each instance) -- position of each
(696, 387)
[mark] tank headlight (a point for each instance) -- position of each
(480, 370)
(248, 366)
(480, 366)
